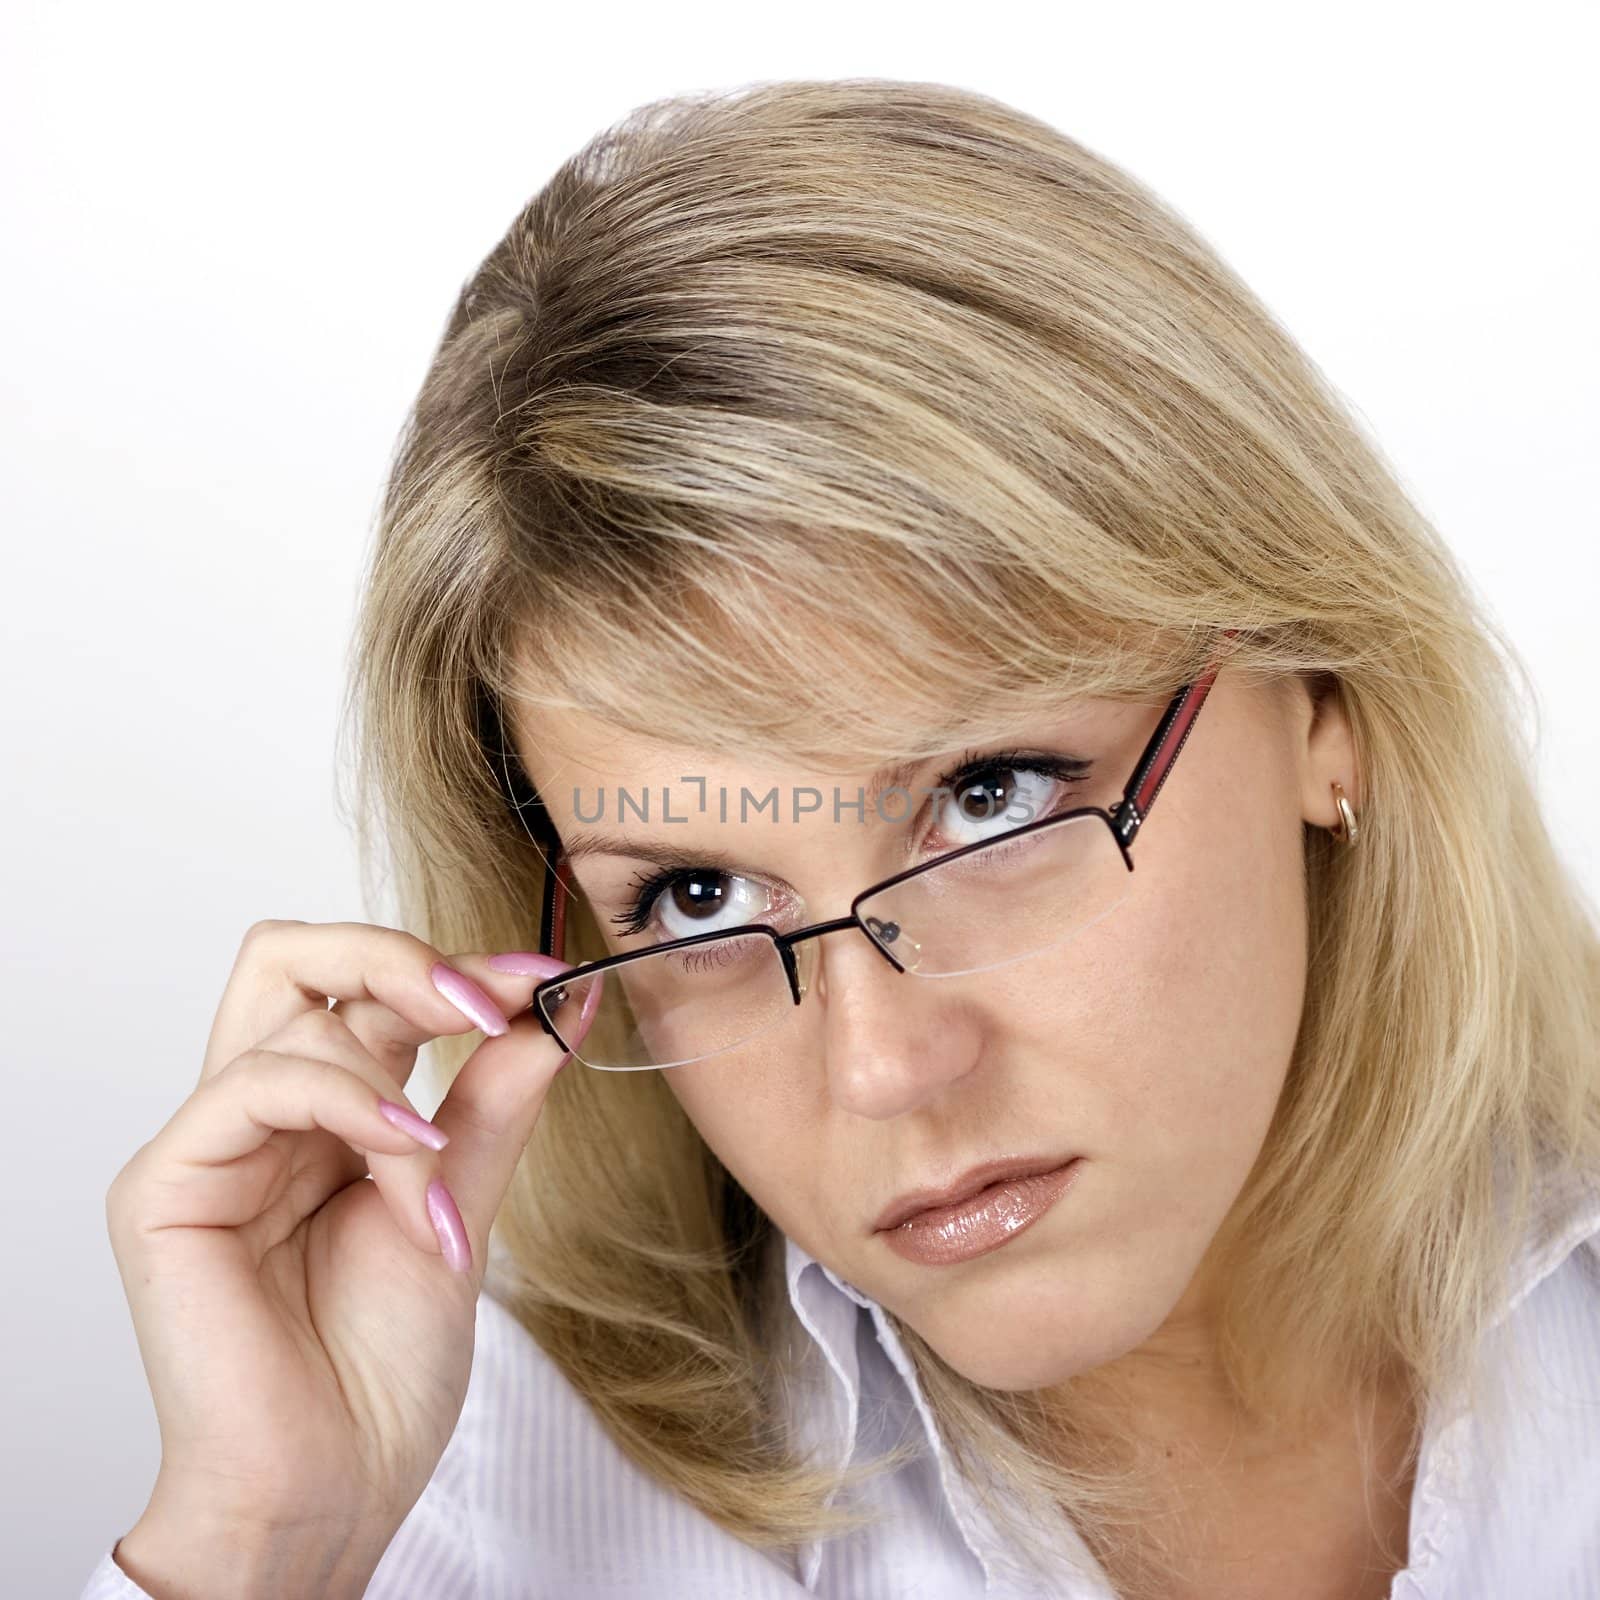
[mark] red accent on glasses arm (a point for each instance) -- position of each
(1162, 750)
(558, 885)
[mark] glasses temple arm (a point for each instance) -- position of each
(553, 912)
(1162, 750)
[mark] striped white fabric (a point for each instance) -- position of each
(532, 1501)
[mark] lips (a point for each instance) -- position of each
(971, 1182)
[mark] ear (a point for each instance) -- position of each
(1324, 746)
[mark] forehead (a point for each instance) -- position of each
(551, 741)
(564, 749)
(564, 745)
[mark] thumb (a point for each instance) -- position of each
(494, 1104)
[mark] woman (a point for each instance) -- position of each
(831, 513)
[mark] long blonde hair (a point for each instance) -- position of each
(835, 421)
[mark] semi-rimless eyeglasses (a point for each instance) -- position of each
(970, 910)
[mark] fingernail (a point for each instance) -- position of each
(407, 1121)
(527, 964)
(468, 998)
(447, 1224)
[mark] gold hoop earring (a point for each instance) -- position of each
(1345, 828)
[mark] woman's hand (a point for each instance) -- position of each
(307, 1334)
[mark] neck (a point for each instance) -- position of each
(1232, 1495)
(1237, 1501)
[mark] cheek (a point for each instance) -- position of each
(1210, 978)
(751, 1114)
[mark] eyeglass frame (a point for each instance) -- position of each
(1150, 772)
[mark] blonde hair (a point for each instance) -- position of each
(837, 421)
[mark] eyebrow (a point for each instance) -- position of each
(592, 841)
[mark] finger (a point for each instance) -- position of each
(286, 969)
(393, 1038)
(392, 1041)
(494, 1103)
(403, 1179)
(221, 1125)
(186, 1176)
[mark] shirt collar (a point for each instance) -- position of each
(1566, 1213)
(1448, 1515)
(830, 1308)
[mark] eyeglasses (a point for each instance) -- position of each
(972, 910)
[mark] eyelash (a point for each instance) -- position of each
(648, 887)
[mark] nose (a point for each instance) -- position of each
(892, 1041)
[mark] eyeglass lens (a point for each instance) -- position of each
(970, 913)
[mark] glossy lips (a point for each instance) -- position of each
(943, 1234)
(1002, 1169)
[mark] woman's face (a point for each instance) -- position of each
(1153, 1045)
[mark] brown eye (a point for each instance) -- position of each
(689, 900)
(992, 800)
(698, 896)
(978, 800)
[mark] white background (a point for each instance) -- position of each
(232, 237)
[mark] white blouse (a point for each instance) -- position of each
(533, 1501)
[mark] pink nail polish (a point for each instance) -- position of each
(529, 964)
(468, 998)
(407, 1121)
(448, 1226)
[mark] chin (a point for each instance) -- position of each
(1028, 1357)
(1039, 1331)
